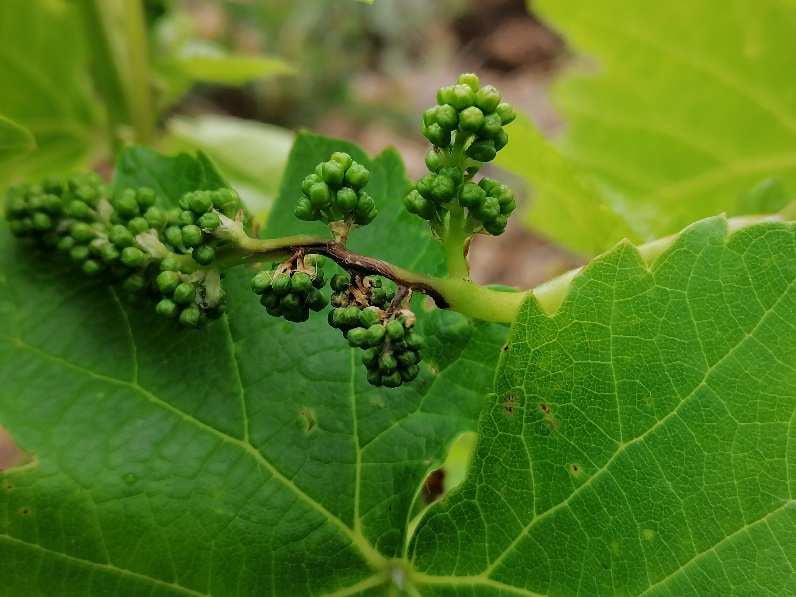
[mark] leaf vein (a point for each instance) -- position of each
(684, 567)
(623, 447)
(371, 556)
(233, 352)
(110, 568)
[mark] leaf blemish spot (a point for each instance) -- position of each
(575, 470)
(648, 534)
(508, 405)
(8, 486)
(544, 407)
(428, 304)
(309, 420)
(24, 511)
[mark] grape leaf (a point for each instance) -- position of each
(564, 194)
(683, 107)
(168, 176)
(213, 65)
(45, 84)
(248, 458)
(15, 140)
(252, 155)
(640, 438)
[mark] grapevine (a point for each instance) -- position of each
(175, 255)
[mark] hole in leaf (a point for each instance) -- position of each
(434, 486)
(441, 481)
(457, 462)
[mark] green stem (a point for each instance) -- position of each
(456, 235)
(139, 92)
(122, 65)
(454, 243)
(453, 292)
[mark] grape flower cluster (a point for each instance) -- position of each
(335, 193)
(365, 311)
(363, 307)
(129, 236)
(466, 129)
(291, 289)
(172, 250)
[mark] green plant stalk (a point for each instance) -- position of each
(454, 244)
(142, 112)
(456, 236)
(452, 292)
(123, 64)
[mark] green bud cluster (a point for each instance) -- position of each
(291, 291)
(335, 192)
(364, 291)
(466, 128)
(43, 212)
(190, 229)
(362, 313)
(469, 111)
(131, 239)
(396, 359)
(190, 297)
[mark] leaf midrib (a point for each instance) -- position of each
(111, 568)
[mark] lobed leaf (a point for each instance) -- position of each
(15, 140)
(169, 176)
(252, 155)
(672, 113)
(248, 458)
(639, 441)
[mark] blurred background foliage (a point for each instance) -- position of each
(636, 119)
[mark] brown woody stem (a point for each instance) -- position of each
(458, 294)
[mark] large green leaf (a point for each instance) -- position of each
(249, 458)
(45, 84)
(689, 104)
(168, 176)
(251, 154)
(15, 140)
(568, 206)
(640, 438)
